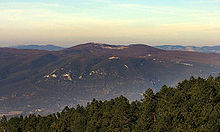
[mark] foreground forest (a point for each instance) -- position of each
(194, 105)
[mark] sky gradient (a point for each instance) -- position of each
(70, 22)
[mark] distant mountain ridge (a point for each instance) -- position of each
(204, 49)
(39, 47)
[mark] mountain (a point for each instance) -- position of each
(204, 49)
(41, 81)
(39, 47)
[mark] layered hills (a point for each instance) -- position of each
(203, 49)
(39, 47)
(42, 81)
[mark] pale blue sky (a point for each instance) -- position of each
(70, 22)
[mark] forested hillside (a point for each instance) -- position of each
(44, 82)
(194, 105)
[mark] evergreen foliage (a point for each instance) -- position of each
(194, 105)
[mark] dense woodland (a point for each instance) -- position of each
(194, 105)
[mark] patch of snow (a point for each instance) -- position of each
(46, 76)
(54, 75)
(68, 77)
(53, 72)
(39, 110)
(113, 57)
(115, 48)
(187, 64)
(3, 98)
(92, 72)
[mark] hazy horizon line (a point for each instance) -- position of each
(75, 44)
